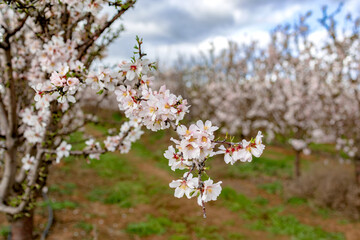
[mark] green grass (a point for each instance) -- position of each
(177, 230)
(281, 166)
(261, 201)
(99, 127)
(142, 151)
(87, 227)
(157, 156)
(112, 165)
(211, 232)
(125, 194)
(275, 187)
(117, 116)
(129, 193)
(344, 221)
(236, 202)
(152, 226)
(63, 188)
(155, 137)
(236, 236)
(296, 201)
(77, 141)
(59, 205)
(4, 231)
(289, 225)
(323, 147)
(324, 212)
(270, 219)
(179, 237)
(208, 232)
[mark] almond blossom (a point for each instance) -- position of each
(62, 151)
(250, 148)
(132, 70)
(27, 161)
(184, 186)
(175, 160)
(211, 190)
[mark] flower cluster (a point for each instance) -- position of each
(95, 147)
(135, 70)
(103, 79)
(196, 145)
(130, 132)
(66, 85)
(56, 53)
(93, 6)
(62, 87)
(57, 58)
(156, 108)
(34, 124)
(243, 151)
(189, 186)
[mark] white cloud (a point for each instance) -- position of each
(145, 28)
(205, 8)
(172, 27)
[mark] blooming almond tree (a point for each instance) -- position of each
(47, 49)
(294, 89)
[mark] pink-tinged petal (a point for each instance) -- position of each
(175, 184)
(187, 192)
(214, 128)
(248, 157)
(193, 128)
(199, 200)
(258, 139)
(228, 159)
(179, 192)
(200, 124)
(181, 130)
(256, 152)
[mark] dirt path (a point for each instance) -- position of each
(109, 221)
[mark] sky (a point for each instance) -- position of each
(184, 27)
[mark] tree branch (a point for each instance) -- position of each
(3, 115)
(84, 47)
(27, 194)
(18, 28)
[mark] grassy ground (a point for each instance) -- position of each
(127, 197)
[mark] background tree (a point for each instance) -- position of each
(296, 90)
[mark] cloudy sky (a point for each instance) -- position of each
(173, 27)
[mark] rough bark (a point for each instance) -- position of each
(297, 166)
(357, 169)
(22, 228)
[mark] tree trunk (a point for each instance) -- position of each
(22, 228)
(357, 169)
(297, 171)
